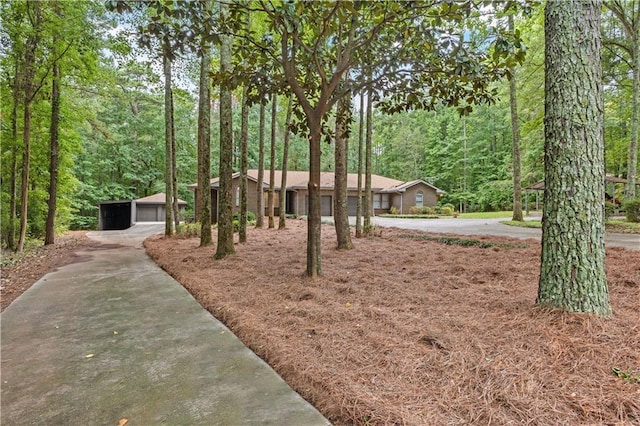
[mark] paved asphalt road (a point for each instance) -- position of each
(491, 227)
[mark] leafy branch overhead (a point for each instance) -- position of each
(413, 55)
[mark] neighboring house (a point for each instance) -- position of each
(123, 214)
(612, 185)
(386, 193)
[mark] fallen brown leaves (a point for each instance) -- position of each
(408, 331)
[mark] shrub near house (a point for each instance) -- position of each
(632, 209)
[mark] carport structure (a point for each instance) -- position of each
(122, 214)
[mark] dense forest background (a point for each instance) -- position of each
(111, 145)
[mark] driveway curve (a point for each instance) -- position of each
(113, 337)
(491, 227)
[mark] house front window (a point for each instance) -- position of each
(384, 204)
(381, 201)
(419, 198)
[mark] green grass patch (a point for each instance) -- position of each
(628, 375)
(486, 215)
(526, 224)
(464, 242)
(623, 227)
(412, 216)
(616, 226)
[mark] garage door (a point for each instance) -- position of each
(326, 205)
(352, 205)
(147, 213)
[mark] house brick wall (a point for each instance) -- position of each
(429, 197)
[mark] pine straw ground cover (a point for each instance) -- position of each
(407, 329)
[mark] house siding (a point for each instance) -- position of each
(297, 198)
(430, 197)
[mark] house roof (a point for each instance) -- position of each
(406, 185)
(300, 179)
(159, 198)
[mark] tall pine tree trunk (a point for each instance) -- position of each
(368, 205)
(204, 151)
(632, 156)
(572, 272)
(340, 213)
(285, 158)
(50, 224)
(272, 161)
(225, 200)
(29, 94)
(168, 145)
(259, 190)
(360, 149)
(174, 169)
(11, 228)
(244, 153)
(314, 218)
(515, 143)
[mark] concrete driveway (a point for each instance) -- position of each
(113, 337)
(491, 227)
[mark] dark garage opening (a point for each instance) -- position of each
(115, 215)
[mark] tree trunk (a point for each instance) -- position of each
(360, 149)
(632, 156)
(204, 151)
(174, 169)
(225, 216)
(50, 224)
(168, 125)
(340, 213)
(259, 190)
(244, 153)
(272, 160)
(285, 158)
(314, 218)
(29, 93)
(515, 144)
(11, 226)
(572, 272)
(368, 206)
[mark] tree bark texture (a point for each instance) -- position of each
(244, 153)
(225, 200)
(204, 151)
(260, 192)
(29, 93)
(285, 159)
(13, 214)
(174, 169)
(314, 218)
(572, 272)
(360, 149)
(272, 160)
(368, 226)
(515, 142)
(50, 224)
(340, 213)
(168, 173)
(632, 156)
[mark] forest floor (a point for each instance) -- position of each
(408, 328)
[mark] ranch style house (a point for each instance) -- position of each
(386, 193)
